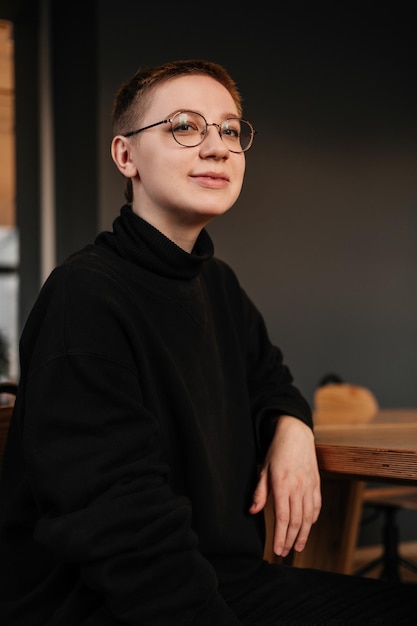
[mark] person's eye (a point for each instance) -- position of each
(185, 127)
(187, 124)
(230, 130)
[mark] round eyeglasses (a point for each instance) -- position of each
(189, 129)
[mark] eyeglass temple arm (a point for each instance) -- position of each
(135, 132)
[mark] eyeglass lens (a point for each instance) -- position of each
(189, 129)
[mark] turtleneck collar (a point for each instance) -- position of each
(139, 242)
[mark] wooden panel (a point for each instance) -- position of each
(7, 140)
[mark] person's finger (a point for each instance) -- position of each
(281, 523)
(295, 524)
(302, 537)
(260, 494)
(311, 511)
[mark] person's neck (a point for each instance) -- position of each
(184, 234)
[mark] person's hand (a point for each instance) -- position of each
(291, 473)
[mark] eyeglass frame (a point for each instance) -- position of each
(219, 126)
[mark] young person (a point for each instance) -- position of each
(150, 393)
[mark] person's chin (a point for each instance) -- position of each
(216, 210)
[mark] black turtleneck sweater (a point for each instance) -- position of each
(148, 394)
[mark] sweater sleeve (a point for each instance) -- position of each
(107, 508)
(270, 382)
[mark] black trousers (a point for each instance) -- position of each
(281, 595)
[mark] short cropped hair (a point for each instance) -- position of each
(133, 97)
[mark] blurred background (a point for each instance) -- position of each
(323, 237)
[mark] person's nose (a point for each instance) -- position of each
(213, 143)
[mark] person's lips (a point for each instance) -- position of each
(211, 180)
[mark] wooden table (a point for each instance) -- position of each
(383, 450)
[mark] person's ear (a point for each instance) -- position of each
(121, 151)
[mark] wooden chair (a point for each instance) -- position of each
(388, 502)
(335, 400)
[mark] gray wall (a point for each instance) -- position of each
(323, 236)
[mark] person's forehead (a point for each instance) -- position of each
(194, 91)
